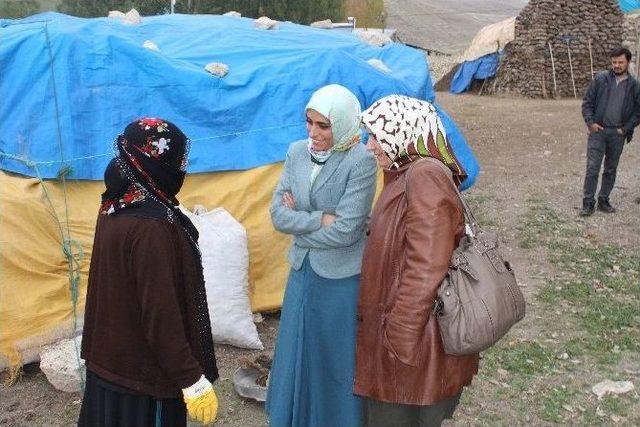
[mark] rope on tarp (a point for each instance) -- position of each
(71, 248)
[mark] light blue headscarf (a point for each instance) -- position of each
(342, 108)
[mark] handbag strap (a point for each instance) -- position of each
(468, 213)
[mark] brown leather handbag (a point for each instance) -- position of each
(479, 300)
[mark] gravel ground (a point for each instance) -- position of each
(439, 65)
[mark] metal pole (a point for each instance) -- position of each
(638, 58)
(591, 58)
(484, 82)
(573, 81)
(637, 48)
(553, 68)
(172, 2)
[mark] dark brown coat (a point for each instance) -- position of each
(136, 333)
(399, 356)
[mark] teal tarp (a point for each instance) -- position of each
(481, 68)
(70, 85)
(629, 5)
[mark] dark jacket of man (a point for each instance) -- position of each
(596, 100)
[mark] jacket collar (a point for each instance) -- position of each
(391, 175)
(630, 78)
(328, 169)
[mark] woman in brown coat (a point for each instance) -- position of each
(401, 367)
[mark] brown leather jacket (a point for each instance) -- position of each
(399, 356)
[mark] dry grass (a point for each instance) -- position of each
(368, 13)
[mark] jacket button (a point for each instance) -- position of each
(367, 232)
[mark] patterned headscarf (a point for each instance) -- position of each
(150, 165)
(342, 108)
(406, 128)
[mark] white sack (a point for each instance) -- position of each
(225, 259)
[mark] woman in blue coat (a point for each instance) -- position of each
(323, 199)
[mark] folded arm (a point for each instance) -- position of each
(351, 213)
(285, 219)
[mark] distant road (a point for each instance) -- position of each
(446, 25)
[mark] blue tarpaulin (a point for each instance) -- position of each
(69, 86)
(481, 68)
(629, 5)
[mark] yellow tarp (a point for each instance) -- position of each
(35, 296)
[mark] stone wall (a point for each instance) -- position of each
(631, 30)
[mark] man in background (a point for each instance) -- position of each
(611, 110)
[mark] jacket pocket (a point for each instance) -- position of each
(395, 285)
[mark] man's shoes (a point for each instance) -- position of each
(587, 209)
(605, 206)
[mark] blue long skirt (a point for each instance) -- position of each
(311, 381)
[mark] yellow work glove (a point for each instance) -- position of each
(201, 401)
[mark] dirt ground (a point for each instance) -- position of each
(532, 154)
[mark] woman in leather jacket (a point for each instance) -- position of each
(401, 368)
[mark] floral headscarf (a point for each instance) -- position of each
(406, 128)
(150, 164)
(342, 108)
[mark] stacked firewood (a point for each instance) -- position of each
(631, 31)
(559, 46)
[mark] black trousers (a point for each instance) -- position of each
(382, 414)
(108, 405)
(607, 144)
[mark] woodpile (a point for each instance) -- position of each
(631, 39)
(631, 30)
(574, 37)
